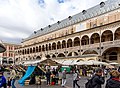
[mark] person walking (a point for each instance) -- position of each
(76, 78)
(48, 74)
(63, 78)
(9, 82)
(2, 81)
(13, 77)
(114, 80)
(98, 79)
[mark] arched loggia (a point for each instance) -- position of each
(69, 43)
(95, 38)
(85, 40)
(77, 41)
(107, 36)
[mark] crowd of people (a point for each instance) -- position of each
(9, 82)
(53, 77)
(97, 79)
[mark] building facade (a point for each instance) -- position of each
(8, 56)
(95, 31)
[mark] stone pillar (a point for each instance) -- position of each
(118, 58)
(73, 54)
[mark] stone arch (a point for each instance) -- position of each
(4, 60)
(90, 52)
(37, 49)
(50, 46)
(85, 40)
(10, 61)
(107, 36)
(46, 47)
(53, 46)
(30, 50)
(77, 41)
(33, 49)
(70, 54)
(53, 56)
(61, 55)
(58, 45)
(63, 44)
(43, 48)
(79, 60)
(111, 54)
(69, 43)
(75, 54)
(23, 52)
(117, 34)
(48, 56)
(38, 58)
(95, 38)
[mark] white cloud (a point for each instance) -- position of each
(19, 18)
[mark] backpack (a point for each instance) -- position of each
(88, 84)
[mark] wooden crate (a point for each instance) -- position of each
(27, 82)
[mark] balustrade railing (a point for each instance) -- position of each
(107, 43)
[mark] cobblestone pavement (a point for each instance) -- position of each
(68, 83)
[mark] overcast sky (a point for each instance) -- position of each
(20, 18)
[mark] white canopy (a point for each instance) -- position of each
(91, 62)
(113, 63)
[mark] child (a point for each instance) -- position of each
(9, 82)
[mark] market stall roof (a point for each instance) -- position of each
(41, 61)
(114, 63)
(91, 62)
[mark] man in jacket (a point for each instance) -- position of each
(98, 80)
(48, 74)
(2, 81)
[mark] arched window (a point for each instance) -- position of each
(58, 45)
(43, 48)
(77, 41)
(107, 36)
(46, 47)
(117, 34)
(54, 46)
(36, 48)
(69, 43)
(63, 44)
(49, 46)
(39, 48)
(61, 55)
(85, 40)
(33, 49)
(30, 50)
(95, 38)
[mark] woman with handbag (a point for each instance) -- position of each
(76, 78)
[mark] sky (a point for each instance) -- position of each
(20, 18)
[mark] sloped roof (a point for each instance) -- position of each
(97, 10)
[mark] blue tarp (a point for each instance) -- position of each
(27, 74)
